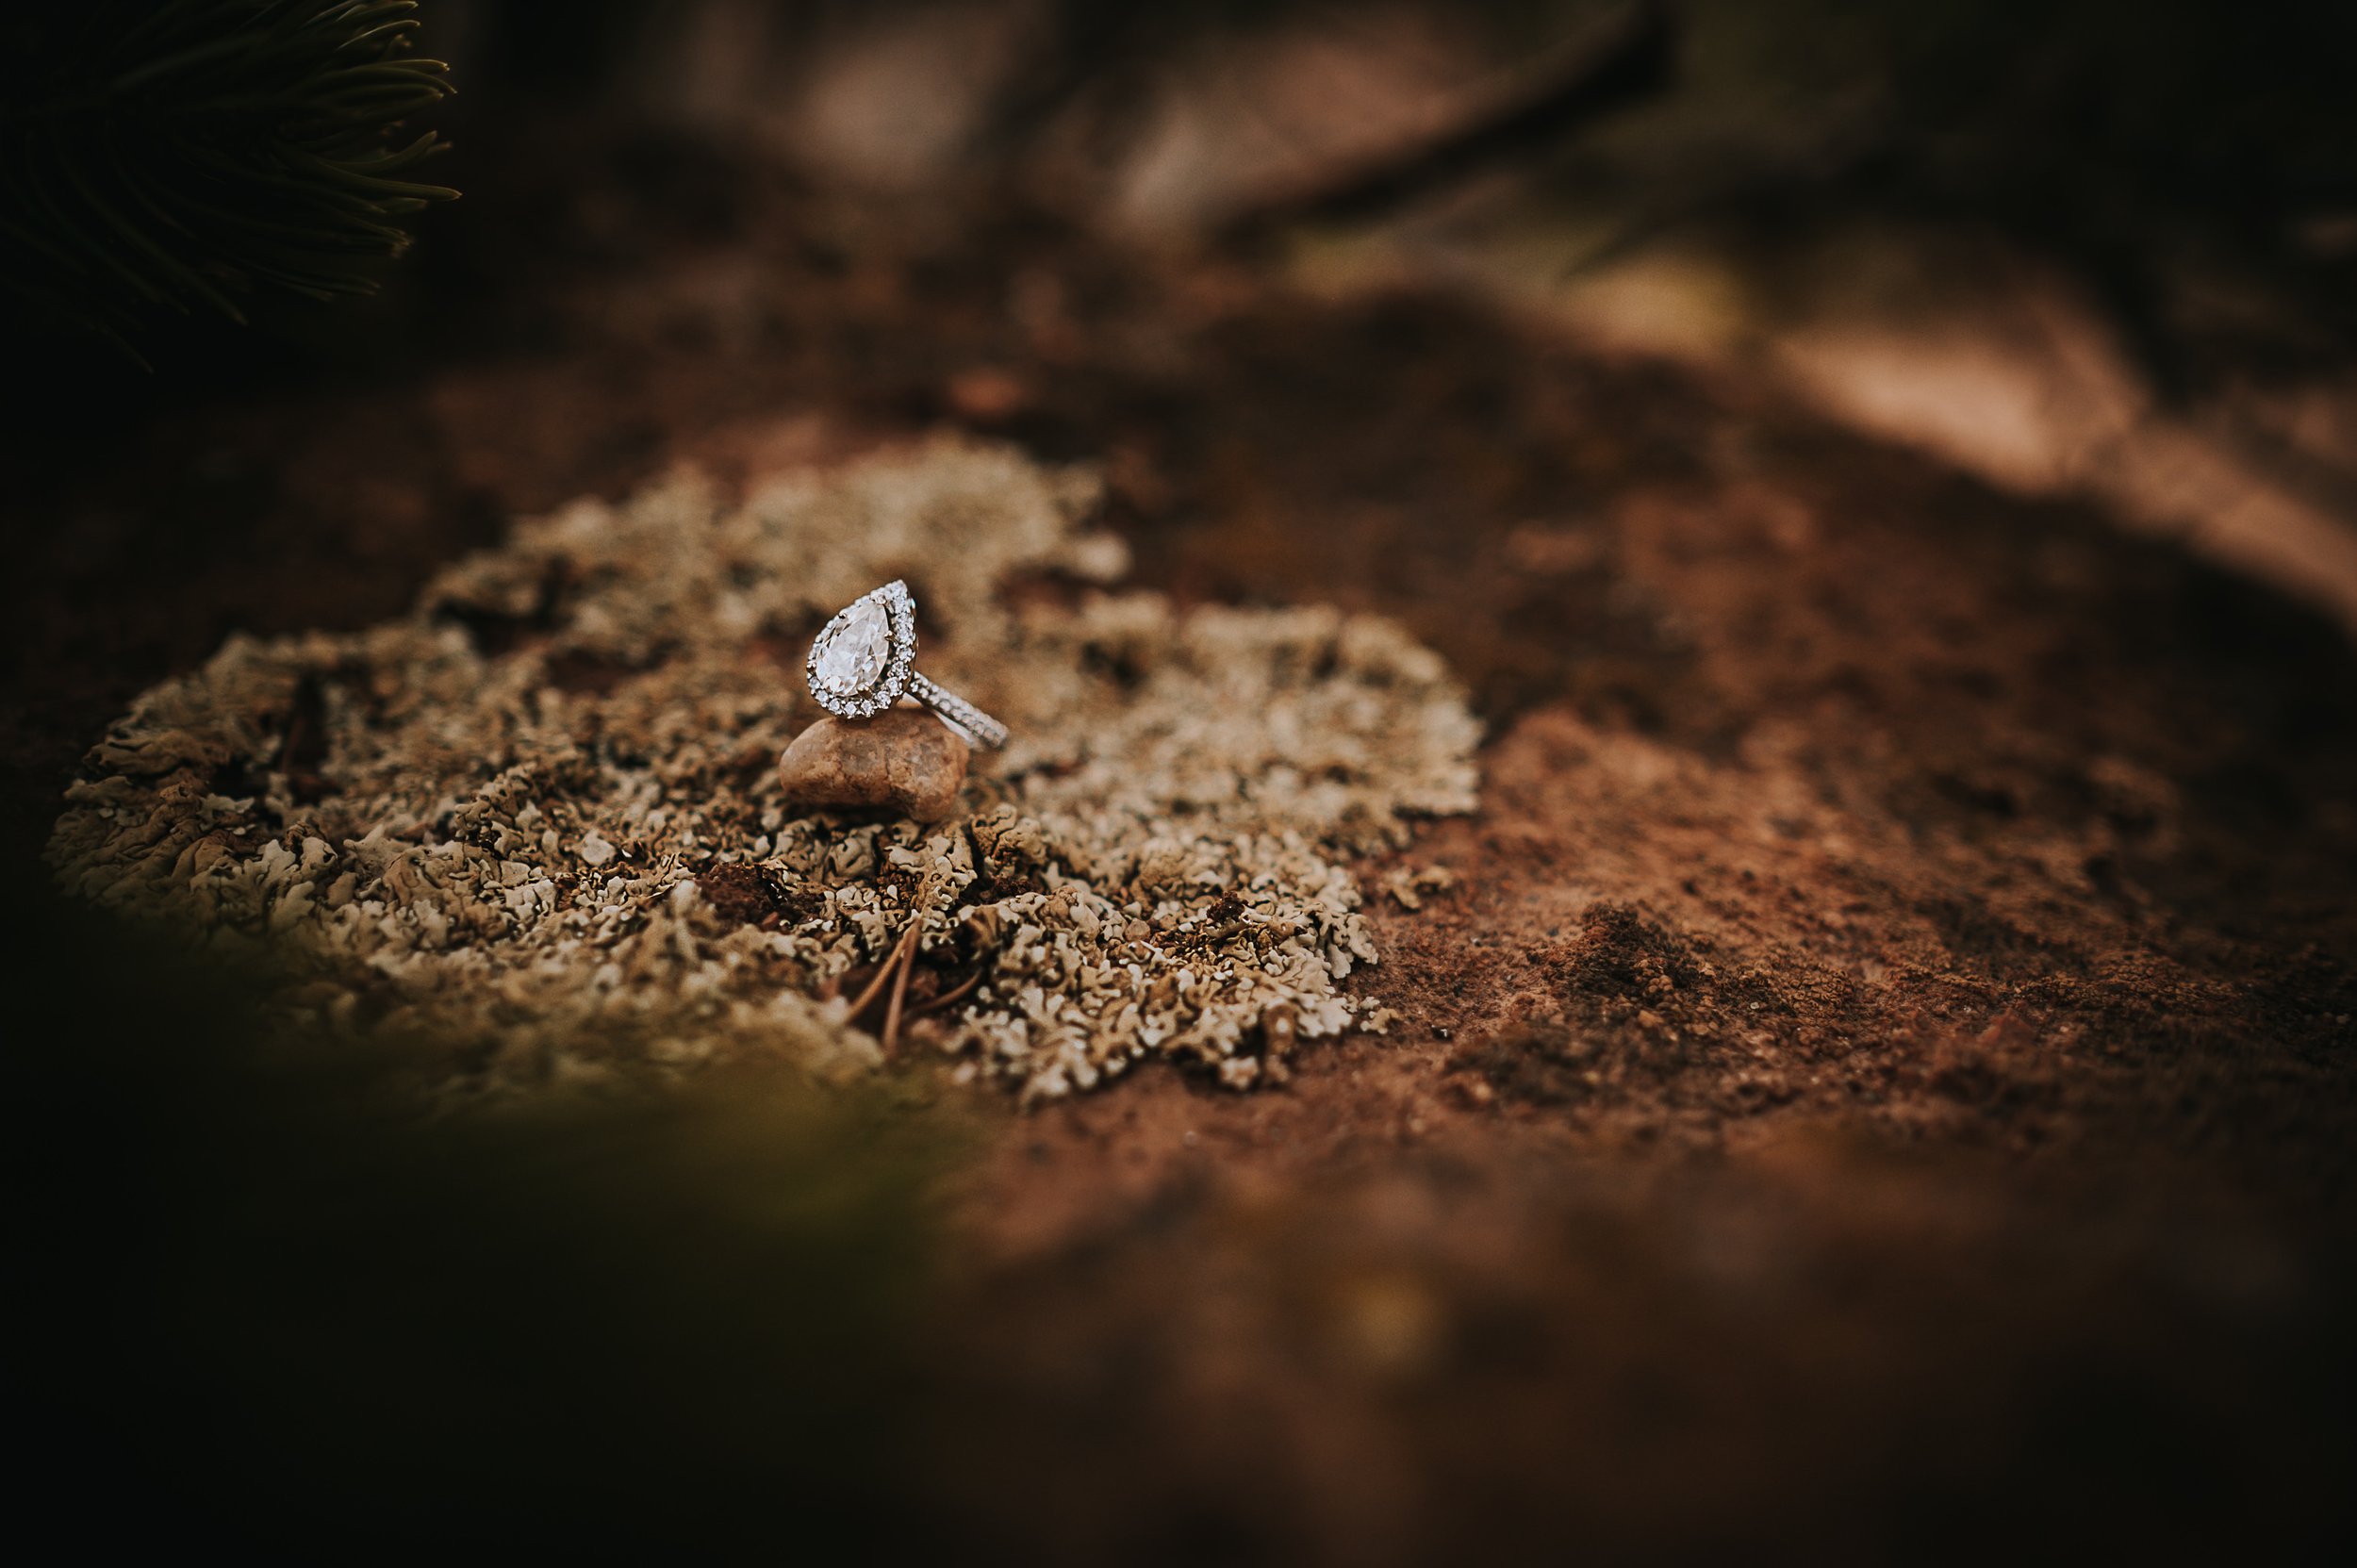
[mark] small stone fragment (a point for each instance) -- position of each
(906, 760)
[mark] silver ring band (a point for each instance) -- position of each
(971, 723)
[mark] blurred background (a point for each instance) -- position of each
(1395, 304)
(2088, 250)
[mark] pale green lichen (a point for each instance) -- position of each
(492, 837)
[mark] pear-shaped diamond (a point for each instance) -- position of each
(855, 648)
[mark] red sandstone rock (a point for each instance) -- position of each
(906, 760)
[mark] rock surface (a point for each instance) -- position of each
(1934, 1223)
(906, 760)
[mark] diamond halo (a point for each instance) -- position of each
(859, 663)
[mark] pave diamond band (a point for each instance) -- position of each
(862, 662)
(977, 726)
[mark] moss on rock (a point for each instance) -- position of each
(499, 821)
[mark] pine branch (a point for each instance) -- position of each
(190, 155)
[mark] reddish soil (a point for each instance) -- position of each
(1883, 1074)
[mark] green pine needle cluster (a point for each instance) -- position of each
(192, 155)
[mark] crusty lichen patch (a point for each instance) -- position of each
(537, 818)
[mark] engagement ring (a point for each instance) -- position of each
(861, 662)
